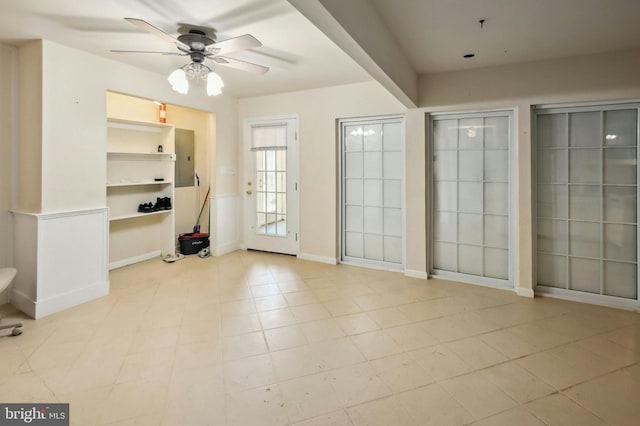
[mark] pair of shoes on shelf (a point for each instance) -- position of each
(145, 208)
(162, 203)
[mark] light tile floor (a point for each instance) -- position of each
(260, 339)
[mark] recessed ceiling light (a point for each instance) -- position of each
(469, 55)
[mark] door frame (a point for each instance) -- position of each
(511, 282)
(368, 263)
(247, 171)
(567, 294)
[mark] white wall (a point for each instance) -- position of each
(595, 78)
(8, 57)
(62, 145)
(319, 110)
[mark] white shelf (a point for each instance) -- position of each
(153, 156)
(137, 214)
(133, 162)
(148, 126)
(150, 182)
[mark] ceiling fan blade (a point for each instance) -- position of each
(156, 31)
(240, 65)
(146, 51)
(234, 44)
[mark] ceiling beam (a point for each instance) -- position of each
(356, 28)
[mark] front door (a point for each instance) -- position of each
(271, 189)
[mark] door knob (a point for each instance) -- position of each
(249, 192)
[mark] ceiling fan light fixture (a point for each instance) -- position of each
(214, 84)
(178, 81)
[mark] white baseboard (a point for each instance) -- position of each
(135, 259)
(23, 303)
(416, 274)
(525, 292)
(227, 248)
(320, 259)
(60, 302)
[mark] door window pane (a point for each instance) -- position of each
(471, 196)
(372, 171)
(591, 246)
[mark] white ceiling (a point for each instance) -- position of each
(298, 54)
(433, 34)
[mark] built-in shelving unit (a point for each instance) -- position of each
(140, 169)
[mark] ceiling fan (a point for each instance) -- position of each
(200, 43)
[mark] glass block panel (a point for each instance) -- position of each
(393, 222)
(584, 239)
(271, 202)
(470, 197)
(353, 138)
(620, 166)
(392, 137)
(552, 201)
(259, 160)
(552, 236)
(392, 166)
(552, 166)
(260, 202)
(470, 165)
(551, 270)
(281, 225)
(620, 279)
(372, 192)
(260, 181)
(496, 166)
(373, 138)
(270, 160)
(271, 224)
(445, 256)
(551, 130)
(620, 242)
(353, 192)
(261, 219)
(471, 134)
(496, 231)
(496, 198)
(353, 218)
(496, 133)
(584, 202)
(281, 160)
(393, 193)
(353, 244)
(496, 263)
(353, 165)
(281, 178)
(621, 127)
(446, 196)
(585, 275)
(282, 204)
(393, 249)
(584, 166)
(372, 165)
(620, 204)
(584, 128)
(445, 134)
(445, 227)
(373, 220)
(373, 247)
(470, 260)
(445, 165)
(470, 228)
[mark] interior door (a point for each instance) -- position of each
(271, 189)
